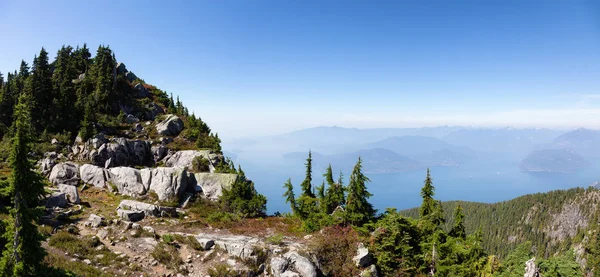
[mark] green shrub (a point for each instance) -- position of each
(222, 270)
(200, 164)
(167, 238)
(242, 198)
(276, 239)
(334, 248)
(167, 255)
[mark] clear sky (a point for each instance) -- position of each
(264, 67)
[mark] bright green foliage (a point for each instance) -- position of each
(560, 266)
(23, 254)
(396, 245)
(321, 197)
(514, 264)
(427, 193)
(461, 257)
(334, 196)
(289, 195)
(358, 208)
(458, 230)
(306, 185)
(242, 198)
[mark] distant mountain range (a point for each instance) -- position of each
(406, 149)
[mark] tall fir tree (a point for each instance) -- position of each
(358, 208)
(103, 74)
(458, 229)
(335, 191)
(307, 183)
(40, 88)
(289, 195)
(23, 254)
(322, 197)
(427, 193)
(65, 71)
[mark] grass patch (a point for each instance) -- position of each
(276, 239)
(84, 247)
(222, 270)
(167, 255)
(167, 238)
(61, 266)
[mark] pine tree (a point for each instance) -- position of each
(289, 195)
(335, 191)
(321, 197)
(458, 230)
(102, 74)
(307, 183)
(358, 208)
(87, 124)
(427, 193)
(23, 253)
(63, 114)
(40, 88)
(171, 109)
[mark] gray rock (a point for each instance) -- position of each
(130, 76)
(152, 111)
(87, 261)
(170, 126)
(121, 68)
(212, 184)
(96, 221)
(289, 274)
(278, 266)
(102, 234)
(362, 258)
(130, 215)
(127, 180)
(159, 152)
(54, 141)
(70, 192)
(119, 151)
(301, 264)
(168, 183)
(131, 119)
(205, 243)
(93, 175)
(56, 199)
(531, 269)
(65, 173)
(46, 164)
(371, 271)
(142, 92)
(185, 158)
(138, 128)
(147, 209)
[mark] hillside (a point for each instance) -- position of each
(553, 222)
(554, 161)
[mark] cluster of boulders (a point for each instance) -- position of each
(364, 260)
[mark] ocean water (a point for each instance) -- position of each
(488, 182)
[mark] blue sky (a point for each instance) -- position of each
(264, 67)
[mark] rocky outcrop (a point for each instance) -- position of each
(93, 175)
(141, 91)
(132, 216)
(186, 157)
(168, 183)
(70, 193)
(170, 126)
(531, 269)
(65, 173)
(212, 184)
(127, 180)
(238, 246)
(96, 221)
(115, 152)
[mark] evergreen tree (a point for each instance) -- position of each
(102, 73)
(358, 208)
(458, 230)
(307, 183)
(171, 109)
(63, 114)
(321, 197)
(290, 198)
(23, 253)
(335, 192)
(427, 193)
(40, 88)
(87, 124)
(82, 59)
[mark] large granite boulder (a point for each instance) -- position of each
(186, 157)
(56, 199)
(70, 193)
(531, 269)
(170, 126)
(212, 184)
(93, 175)
(362, 258)
(159, 152)
(65, 173)
(300, 264)
(127, 180)
(168, 183)
(235, 245)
